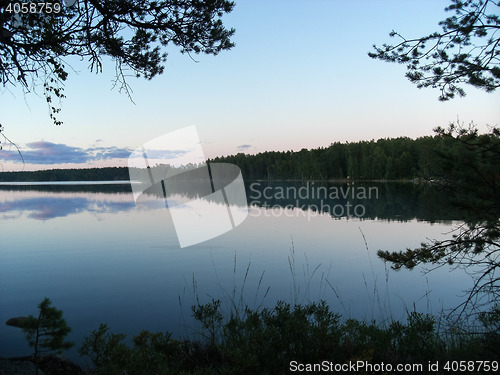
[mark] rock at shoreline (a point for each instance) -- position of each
(48, 365)
(17, 367)
(54, 365)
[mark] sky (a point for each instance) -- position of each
(298, 77)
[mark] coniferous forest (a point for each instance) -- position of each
(385, 159)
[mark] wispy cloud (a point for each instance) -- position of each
(103, 153)
(243, 147)
(165, 154)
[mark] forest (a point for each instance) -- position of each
(400, 158)
(87, 174)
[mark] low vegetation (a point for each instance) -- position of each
(280, 339)
(277, 340)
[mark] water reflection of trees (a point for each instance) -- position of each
(392, 201)
(395, 201)
(77, 188)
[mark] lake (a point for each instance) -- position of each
(103, 259)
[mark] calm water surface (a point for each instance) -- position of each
(102, 259)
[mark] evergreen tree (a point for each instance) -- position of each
(468, 169)
(465, 51)
(36, 41)
(45, 333)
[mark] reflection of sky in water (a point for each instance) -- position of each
(44, 206)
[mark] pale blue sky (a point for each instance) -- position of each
(298, 77)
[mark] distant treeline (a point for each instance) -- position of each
(384, 159)
(390, 159)
(89, 174)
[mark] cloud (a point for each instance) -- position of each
(166, 154)
(54, 153)
(243, 147)
(46, 153)
(103, 153)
